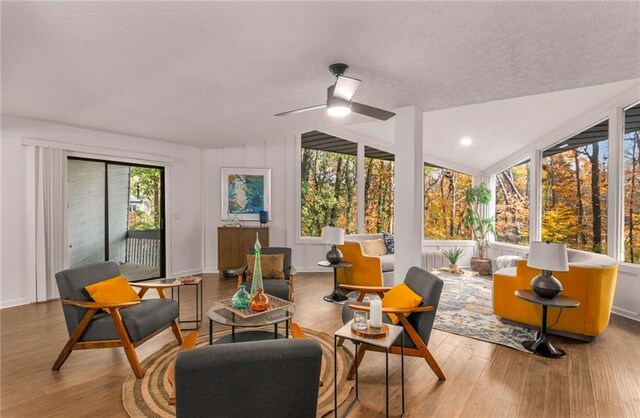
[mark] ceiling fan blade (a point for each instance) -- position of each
(346, 87)
(304, 109)
(374, 112)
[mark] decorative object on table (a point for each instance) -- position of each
(256, 279)
(466, 308)
(375, 315)
(274, 304)
(547, 257)
(245, 193)
(145, 397)
(453, 255)
(241, 298)
(389, 242)
(360, 320)
(371, 332)
(478, 199)
(264, 218)
(333, 236)
(259, 302)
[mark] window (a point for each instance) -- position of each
(632, 185)
(444, 203)
(574, 190)
(378, 191)
(512, 204)
(328, 181)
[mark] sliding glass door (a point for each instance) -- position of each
(116, 212)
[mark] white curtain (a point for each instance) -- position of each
(50, 224)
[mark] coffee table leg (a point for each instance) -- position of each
(210, 332)
(275, 331)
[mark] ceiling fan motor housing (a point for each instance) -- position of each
(338, 69)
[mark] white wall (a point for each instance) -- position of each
(184, 201)
(280, 156)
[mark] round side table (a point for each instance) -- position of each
(541, 346)
(335, 296)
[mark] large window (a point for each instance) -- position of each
(574, 190)
(632, 185)
(444, 203)
(512, 204)
(378, 191)
(329, 188)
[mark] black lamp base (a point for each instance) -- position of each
(546, 286)
(334, 256)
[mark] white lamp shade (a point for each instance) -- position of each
(332, 235)
(548, 256)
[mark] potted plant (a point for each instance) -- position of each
(453, 256)
(478, 198)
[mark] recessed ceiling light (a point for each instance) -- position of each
(465, 141)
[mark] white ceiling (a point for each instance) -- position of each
(498, 129)
(213, 74)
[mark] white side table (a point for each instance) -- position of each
(395, 331)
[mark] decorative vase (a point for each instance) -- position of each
(260, 301)
(242, 298)
(256, 280)
(481, 265)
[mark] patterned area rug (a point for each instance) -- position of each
(466, 308)
(147, 397)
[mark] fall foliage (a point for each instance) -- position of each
(631, 163)
(512, 205)
(444, 203)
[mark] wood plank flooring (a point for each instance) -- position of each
(599, 379)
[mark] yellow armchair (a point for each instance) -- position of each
(591, 280)
(365, 271)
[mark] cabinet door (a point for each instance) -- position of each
(231, 248)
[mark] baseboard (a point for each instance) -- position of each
(626, 313)
(14, 302)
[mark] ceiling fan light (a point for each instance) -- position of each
(338, 110)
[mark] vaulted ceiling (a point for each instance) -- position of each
(214, 73)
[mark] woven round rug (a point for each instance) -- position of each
(147, 397)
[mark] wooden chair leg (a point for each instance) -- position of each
(361, 352)
(340, 342)
(420, 345)
(129, 349)
(176, 331)
(73, 339)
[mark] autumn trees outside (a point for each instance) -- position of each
(631, 162)
(444, 203)
(378, 195)
(512, 204)
(574, 191)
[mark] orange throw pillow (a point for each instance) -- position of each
(114, 290)
(400, 296)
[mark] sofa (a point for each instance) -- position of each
(591, 280)
(376, 268)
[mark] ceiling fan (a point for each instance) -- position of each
(339, 97)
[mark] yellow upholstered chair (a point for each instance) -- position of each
(591, 280)
(366, 269)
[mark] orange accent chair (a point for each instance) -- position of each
(591, 280)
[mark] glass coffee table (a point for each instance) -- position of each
(221, 315)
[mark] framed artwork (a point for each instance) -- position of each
(245, 192)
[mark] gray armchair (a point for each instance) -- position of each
(417, 322)
(268, 379)
(282, 289)
(126, 325)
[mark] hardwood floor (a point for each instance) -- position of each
(601, 378)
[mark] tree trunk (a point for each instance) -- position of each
(337, 190)
(582, 239)
(594, 158)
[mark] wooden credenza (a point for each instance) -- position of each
(234, 244)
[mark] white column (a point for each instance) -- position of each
(360, 183)
(408, 199)
(615, 199)
(535, 197)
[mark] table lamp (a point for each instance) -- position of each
(547, 257)
(333, 236)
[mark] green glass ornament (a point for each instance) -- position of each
(242, 298)
(256, 280)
